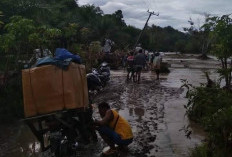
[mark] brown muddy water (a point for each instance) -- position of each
(155, 110)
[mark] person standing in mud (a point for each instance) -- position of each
(113, 129)
(139, 61)
(130, 66)
(156, 64)
(151, 58)
(124, 59)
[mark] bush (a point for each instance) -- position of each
(11, 99)
(200, 151)
(212, 108)
(164, 68)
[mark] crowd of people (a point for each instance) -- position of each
(113, 128)
(136, 61)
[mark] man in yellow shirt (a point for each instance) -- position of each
(113, 128)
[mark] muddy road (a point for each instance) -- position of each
(155, 110)
(156, 113)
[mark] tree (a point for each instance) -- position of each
(94, 50)
(45, 38)
(1, 22)
(200, 40)
(17, 36)
(70, 34)
(221, 34)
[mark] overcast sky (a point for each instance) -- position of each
(175, 13)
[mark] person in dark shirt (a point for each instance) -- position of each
(139, 61)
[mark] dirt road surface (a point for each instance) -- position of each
(155, 110)
(156, 113)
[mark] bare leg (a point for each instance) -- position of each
(157, 74)
(139, 74)
(132, 76)
(128, 76)
(135, 76)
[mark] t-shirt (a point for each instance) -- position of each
(122, 127)
(157, 61)
(130, 61)
(140, 59)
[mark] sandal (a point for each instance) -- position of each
(110, 152)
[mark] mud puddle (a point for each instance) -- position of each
(153, 108)
(156, 113)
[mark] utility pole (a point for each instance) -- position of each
(150, 13)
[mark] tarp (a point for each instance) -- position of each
(52, 61)
(62, 54)
(48, 89)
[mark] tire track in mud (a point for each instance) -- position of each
(143, 106)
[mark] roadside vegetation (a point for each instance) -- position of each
(27, 25)
(210, 105)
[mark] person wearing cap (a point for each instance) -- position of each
(113, 129)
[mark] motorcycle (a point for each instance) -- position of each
(94, 83)
(103, 73)
(71, 131)
(99, 77)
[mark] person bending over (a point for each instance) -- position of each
(113, 129)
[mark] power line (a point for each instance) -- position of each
(150, 13)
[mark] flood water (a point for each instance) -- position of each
(154, 108)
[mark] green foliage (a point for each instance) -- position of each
(199, 40)
(18, 31)
(95, 47)
(212, 108)
(200, 151)
(44, 38)
(62, 14)
(11, 106)
(7, 42)
(20, 27)
(221, 34)
(93, 53)
(1, 23)
(48, 24)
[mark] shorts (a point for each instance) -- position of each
(138, 68)
(157, 71)
(130, 69)
(113, 136)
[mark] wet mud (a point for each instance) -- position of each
(154, 108)
(155, 112)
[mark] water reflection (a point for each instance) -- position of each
(139, 112)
